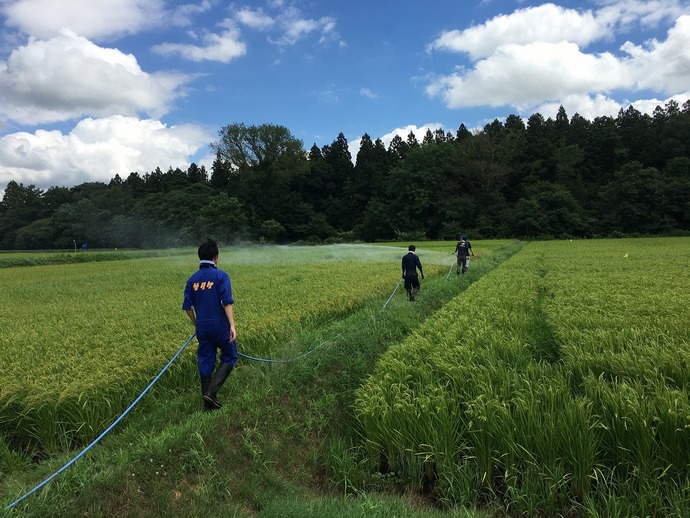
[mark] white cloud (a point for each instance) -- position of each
(535, 57)
(587, 106)
(546, 23)
(417, 131)
(223, 47)
(93, 19)
(97, 150)
(68, 77)
(368, 93)
(623, 14)
(181, 15)
(295, 27)
(524, 74)
(663, 66)
(550, 23)
(256, 19)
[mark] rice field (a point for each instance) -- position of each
(80, 341)
(557, 384)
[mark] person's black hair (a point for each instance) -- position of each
(208, 250)
(412, 248)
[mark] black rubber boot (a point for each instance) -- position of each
(205, 382)
(221, 374)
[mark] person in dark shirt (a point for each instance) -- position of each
(410, 264)
(209, 304)
(463, 249)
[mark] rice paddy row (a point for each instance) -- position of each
(557, 384)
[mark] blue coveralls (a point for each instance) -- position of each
(208, 291)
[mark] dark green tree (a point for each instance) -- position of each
(397, 149)
(318, 185)
(540, 142)
(416, 186)
(266, 160)
(370, 173)
(635, 136)
(411, 140)
(462, 134)
(338, 159)
(197, 174)
(20, 206)
(136, 185)
(221, 216)
(549, 209)
(633, 201)
(220, 173)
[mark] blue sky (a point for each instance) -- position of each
(94, 88)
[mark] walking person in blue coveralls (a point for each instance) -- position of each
(209, 304)
(410, 264)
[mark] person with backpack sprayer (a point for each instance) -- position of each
(463, 249)
(410, 264)
(209, 304)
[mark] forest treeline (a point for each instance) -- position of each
(563, 177)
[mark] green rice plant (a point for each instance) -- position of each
(645, 428)
(10, 460)
(568, 361)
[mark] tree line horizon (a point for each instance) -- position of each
(627, 175)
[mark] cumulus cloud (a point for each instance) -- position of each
(524, 74)
(551, 23)
(537, 57)
(68, 76)
(663, 66)
(546, 23)
(91, 19)
(97, 150)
